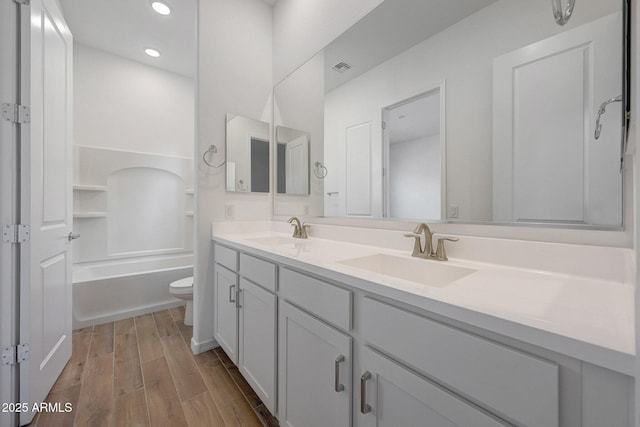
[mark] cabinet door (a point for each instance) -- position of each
(258, 340)
(226, 313)
(392, 396)
(315, 372)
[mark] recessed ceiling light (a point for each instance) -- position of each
(152, 52)
(161, 8)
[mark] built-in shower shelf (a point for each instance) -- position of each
(89, 214)
(189, 213)
(189, 191)
(89, 188)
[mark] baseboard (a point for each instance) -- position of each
(125, 314)
(201, 347)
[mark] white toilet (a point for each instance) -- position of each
(183, 289)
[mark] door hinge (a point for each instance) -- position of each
(16, 113)
(15, 354)
(24, 2)
(384, 125)
(19, 233)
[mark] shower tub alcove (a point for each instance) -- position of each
(134, 213)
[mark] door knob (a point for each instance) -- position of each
(72, 236)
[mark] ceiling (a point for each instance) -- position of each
(391, 28)
(127, 27)
(416, 119)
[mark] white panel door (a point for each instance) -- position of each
(9, 170)
(358, 170)
(226, 312)
(297, 166)
(46, 316)
(549, 138)
(314, 372)
(547, 165)
(393, 396)
(258, 341)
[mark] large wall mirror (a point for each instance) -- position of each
(247, 164)
(471, 111)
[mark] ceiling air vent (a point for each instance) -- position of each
(341, 67)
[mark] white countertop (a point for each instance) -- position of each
(591, 319)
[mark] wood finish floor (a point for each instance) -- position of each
(141, 372)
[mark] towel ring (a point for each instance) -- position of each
(601, 111)
(320, 170)
(212, 149)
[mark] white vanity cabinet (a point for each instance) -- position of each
(392, 396)
(314, 372)
(246, 318)
(332, 352)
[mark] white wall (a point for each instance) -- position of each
(126, 105)
(234, 75)
(415, 178)
(462, 56)
(302, 28)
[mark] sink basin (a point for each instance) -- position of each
(426, 272)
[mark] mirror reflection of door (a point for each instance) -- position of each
(292, 161)
(548, 166)
(413, 148)
(296, 157)
(259, 165)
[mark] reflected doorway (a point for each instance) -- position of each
(414, 154)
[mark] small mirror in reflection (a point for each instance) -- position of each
(247, 155)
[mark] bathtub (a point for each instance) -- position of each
(114, 290)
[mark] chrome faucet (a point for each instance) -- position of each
(426, 250)
(300, 230)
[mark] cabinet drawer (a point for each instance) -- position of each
(513, 384)
(260, 272)
(227, 257)
(326, 301)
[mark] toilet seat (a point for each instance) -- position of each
(182, 286)
(183, 289)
